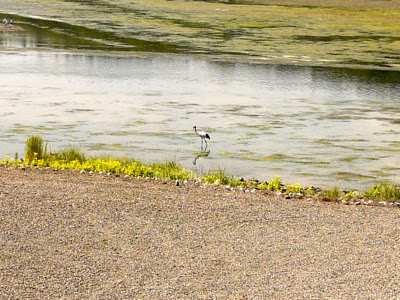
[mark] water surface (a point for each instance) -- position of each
(315, 126)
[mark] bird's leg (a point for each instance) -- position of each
(206, 145)
(201, 145)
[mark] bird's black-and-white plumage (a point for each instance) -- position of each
(203, 135)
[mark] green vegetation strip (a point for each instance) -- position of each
(334, 33)
(37, 155)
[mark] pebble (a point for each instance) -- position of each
(128, 232)
(295, 194)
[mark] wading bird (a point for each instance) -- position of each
(203, 135)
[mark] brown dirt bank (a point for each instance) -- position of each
(71, 235)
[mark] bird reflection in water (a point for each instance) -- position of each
(201, 154)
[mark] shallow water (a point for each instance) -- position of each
(314, 126)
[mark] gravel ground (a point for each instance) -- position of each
(69, 235)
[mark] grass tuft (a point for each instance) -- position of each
(331, 195)
(34, 148)
(275, 184)
(220, 177)
(383, 192)
(294, 189)
(70, 154)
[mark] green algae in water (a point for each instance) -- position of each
(6, 114)
(383, 173)
(307, 174)
(351, 176)
(122, 133)
(20, 129)
(136, 123)
(225, 154)
(270, 33)
(277, 156)
(103, 146)
(80, 110)
(349, 159)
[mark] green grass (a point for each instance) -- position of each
(220, 177)
(331, 195)
(383, 192)
(34, 148)
(295, 189)
(275, 184)
(168, 170)
(70, 154)
(352, 195)
(36, 155)
(74, 159)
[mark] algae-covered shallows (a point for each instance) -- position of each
(353, 33)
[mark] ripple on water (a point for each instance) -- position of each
(23, 129)
(350, 176)
(262, 119)
(79, 110)
(7, 113)
(106, 146)
(350, 158)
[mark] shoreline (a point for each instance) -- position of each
(251, 187)
(239, 59)
(66, 234)
(10, 28)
